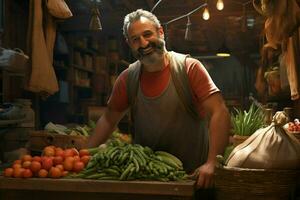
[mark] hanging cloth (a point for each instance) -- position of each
(40, 46)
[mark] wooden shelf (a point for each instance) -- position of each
(82, 68)
(82, 87)
(86, 50)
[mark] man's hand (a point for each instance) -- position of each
(205, 175)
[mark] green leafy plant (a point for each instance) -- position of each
(246, 123)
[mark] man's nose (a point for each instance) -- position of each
(143, 42)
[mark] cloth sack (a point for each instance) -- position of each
(13, 59)
(268, 148)
(59, 9)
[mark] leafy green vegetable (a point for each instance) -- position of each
(246, 123)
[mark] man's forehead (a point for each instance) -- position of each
(142, 21)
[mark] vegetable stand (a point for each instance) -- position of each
(47, 188)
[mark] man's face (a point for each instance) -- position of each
(146, 41)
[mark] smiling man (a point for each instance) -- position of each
(152, 90)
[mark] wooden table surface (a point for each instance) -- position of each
(47, 188)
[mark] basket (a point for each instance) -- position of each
(260, 184)
(38, 140)
(14, 60)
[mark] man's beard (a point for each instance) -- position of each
(157, 50)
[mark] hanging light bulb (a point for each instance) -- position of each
(205, 14)
(188, 32)
(220, 5)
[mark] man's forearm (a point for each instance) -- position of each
(105, 126)
(100, 134)
(219, 133)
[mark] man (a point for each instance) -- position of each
(160, 120)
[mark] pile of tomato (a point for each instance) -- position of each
(294, 126)
(54, 162)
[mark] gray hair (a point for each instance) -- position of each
(136, 15)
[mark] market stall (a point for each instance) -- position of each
(33, 189)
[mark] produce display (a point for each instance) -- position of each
(124, 161)
(293, 126)
(115, 160)
(54, 162)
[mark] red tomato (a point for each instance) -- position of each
(55, 172)
(27, 173)
(84, 152)
(8, 172)
(58, 160)
(35, 166)
(78, 166)
(47, 163)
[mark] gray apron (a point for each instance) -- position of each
(162, 123)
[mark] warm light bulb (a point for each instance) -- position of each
(220, 5)
(205, 14)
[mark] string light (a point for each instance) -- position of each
(220, 5)
(185, 15)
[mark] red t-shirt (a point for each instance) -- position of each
(153, 83)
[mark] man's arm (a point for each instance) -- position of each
(105, 126)
(219, 126)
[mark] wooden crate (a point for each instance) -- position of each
(40, 139)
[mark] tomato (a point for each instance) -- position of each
(18, 172)
(8, 172)
(85, 159)
(26, 158)
(35, 166)
(76, 158)
(37, 158)
(84, 152)
(59, 152)
(47, 163)
(16, 165)
(55, 172)
(78, 166)
(68, 163)
(60, 166)
(43, 173)
(58, 160)
(27, 173)
(69, 153)
(49, 151)
(26, 164)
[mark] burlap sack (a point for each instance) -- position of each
(268, 148)
(59, 9)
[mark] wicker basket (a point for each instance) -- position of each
(255, 184)
(40, 139)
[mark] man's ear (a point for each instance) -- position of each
(161, 32)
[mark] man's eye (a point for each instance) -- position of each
(134, 39)
(147, 35)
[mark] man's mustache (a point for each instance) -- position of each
(154, 45)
